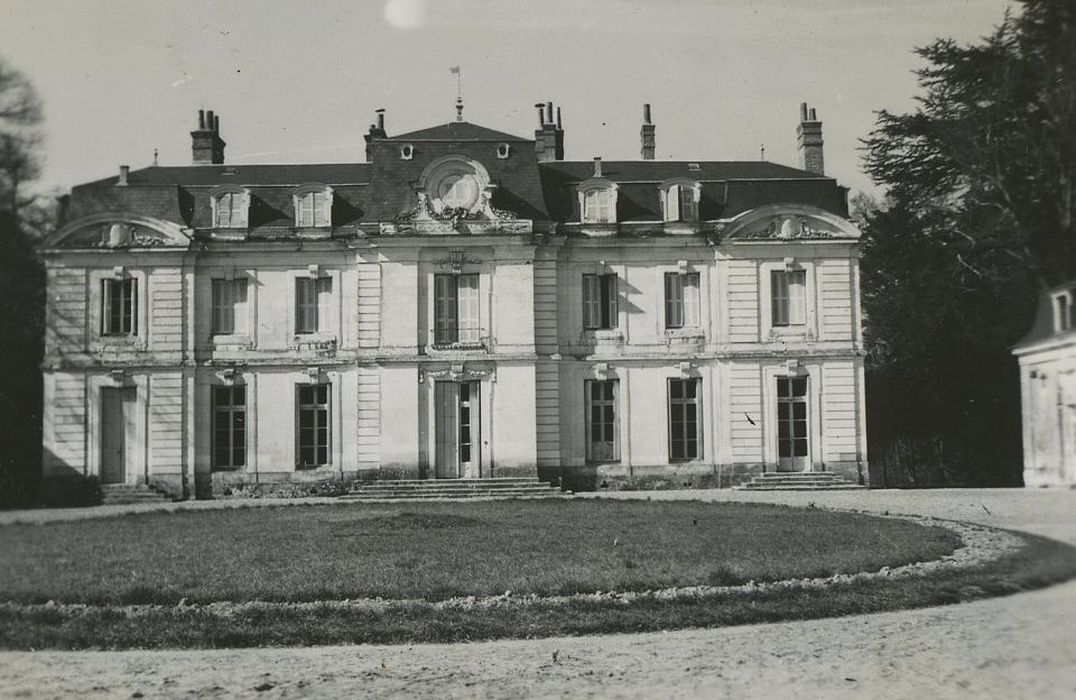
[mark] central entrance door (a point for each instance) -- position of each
(793, 448)
(456, 419)
(117, 429)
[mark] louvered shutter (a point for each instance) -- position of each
(691, 296)
(468, 309)
(672, 203)
(445, 310)
(591, 301)
(674, 301)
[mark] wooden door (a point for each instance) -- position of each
(117, 423)
(793, 442)
(602, 422)
(446, 423)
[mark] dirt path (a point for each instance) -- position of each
(1019, 646)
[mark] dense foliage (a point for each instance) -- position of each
(23, 219)
(977, 222)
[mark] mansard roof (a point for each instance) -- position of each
(456, 131)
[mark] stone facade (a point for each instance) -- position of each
(466, 304)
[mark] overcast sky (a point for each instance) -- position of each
(299, 81)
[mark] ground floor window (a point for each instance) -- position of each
(603, 431)
(229, 427)
(683, 419)
(314, 415)
(792, 419)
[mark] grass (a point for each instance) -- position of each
(311, 553)
(435, 551)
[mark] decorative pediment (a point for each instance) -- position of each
(426, 218)
(117, 230)
(786, 222)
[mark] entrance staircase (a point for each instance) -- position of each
(122, 494)
(797, 481)
(451, 490)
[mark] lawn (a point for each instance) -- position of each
(435, 551)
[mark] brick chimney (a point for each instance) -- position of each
(549, 136)
(207, 147)
(377, 131)
(646, 135)
(809, 141)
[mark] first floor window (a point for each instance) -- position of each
(455, 310)
(119, 315)
(788, 296)
(315, 412)
(792, 417)
(599, 302)
(229, 306)
(682, 300)
(602, 428)
(683, 419)
(229, 427)
(312, 297)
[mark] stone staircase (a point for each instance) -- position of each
(122, 494)
(797, 481)
(451, 490)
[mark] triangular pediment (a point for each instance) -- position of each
(457, 131)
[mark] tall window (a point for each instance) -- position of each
(230, 210)
(313, 209)
(680, 204)
(682, 300)
(792, 418)
(455, 303)
(599, 206)
(229, 306)
(683, 419)
(312, 298)
(119, 313)
(229, 427)
(602, 429)
(599, 301)
(315, 413)
(788, 290)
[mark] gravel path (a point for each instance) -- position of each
(1018, 646)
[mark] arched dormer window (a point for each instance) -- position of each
(313, 206)
(597, 201)
(680, 200)
(231, 206)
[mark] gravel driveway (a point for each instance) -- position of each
(1013, 647)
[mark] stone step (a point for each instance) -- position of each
(451, 489)
(799, 487)
(797, 475)
(461, 488)
(451, 492)
(124, 494)
(355, 498)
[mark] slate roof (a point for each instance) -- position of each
(457, 131)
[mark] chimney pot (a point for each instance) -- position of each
(646, 113)
(380, 119)
(216, 124)
(559, 125)
(124, 171)
(209, 119)
(803, 111)
(201, 119)
(549, 112)
(814, 115)
(597, 166)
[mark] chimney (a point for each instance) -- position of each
(809, 141)
(207, 147)
(646, 135)
(597, 166)
(377, 131)
(124, 170)
(549, 136)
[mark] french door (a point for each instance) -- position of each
(117, 434)
(793, 441)
(456, 426)
(603, 428)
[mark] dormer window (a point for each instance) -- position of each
(313, 206)
(598, 204)
(1064, 311)
(680, 201)
(230, 207)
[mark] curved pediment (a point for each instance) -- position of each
(781, 222)
(119, 230)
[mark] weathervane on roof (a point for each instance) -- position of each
(762, 152)
(459, 92)
(155, 156)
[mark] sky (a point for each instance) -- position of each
(298, 82)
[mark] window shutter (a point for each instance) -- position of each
(609, 287)
(130, 306)
(797, 297)
(674, 302)
(779, 298)
(591, 301)
(689, 207)
(301, 210)
(445, 302)
(691, 296)
(239, 305)
(304, 309)
(324, 303)
(672, 203)
(468, 309)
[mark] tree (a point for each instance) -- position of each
(23, 219)
(978, 220)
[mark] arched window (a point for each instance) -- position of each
(597, 201)
(313, 206)
(680, 201)
(230, 207)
